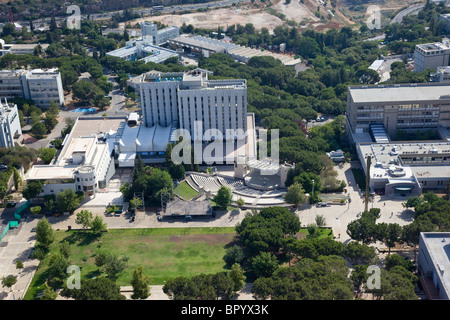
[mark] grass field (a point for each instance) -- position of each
(165, 253)
(186, 192)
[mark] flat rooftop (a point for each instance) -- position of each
(438, 245)
(436, 46)
(85, 126)
(391, 94)
(389, 155)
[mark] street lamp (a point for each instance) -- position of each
(312, 192)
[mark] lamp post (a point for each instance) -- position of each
(312, 192)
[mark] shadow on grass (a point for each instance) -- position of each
(93, 274)
(82, 238)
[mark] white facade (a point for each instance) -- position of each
(159, 36)
(42, 86)
(434, 264)
(10, 129)
(192, 100)
(431, 55)
(45, 86)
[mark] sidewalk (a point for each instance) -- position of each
(17, 245)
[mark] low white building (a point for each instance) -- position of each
(85, 162)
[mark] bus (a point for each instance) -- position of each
(158, 8)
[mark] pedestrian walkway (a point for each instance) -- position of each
(17, 245)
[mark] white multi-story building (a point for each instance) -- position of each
(199, 105)
(431, 55)
(10, 129)
(159, 37)
(41, 86)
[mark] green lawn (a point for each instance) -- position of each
(323, 232)
(186, 192)
(165, 253)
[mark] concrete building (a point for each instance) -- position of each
(147, 48)
(158, 37)
(208, 46)
(42, 86)
(375, 113)
(446, 18)
(23, 48)
(198, 105)
(405, 106)
(442, 75)
(434, 264)
(431, 55)
(10, 129)
(143, 49)
(85, 162)
(45, 86)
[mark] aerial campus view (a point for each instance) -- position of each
(240, 151)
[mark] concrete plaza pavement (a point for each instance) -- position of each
(339, 216)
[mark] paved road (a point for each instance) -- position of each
(411, 10)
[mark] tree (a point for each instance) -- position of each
(412, 202)
(233, 255)
(393, 235)
(98, 225)
(264, 264)
(95, 289)
(9, 281)
(57, 268)
(266, 230)
(84, 218)
(48, 293)
(140, 283)
(35, 210)
(33, 189)
(39, 130)
(64, 249)
(223, 197)
(394, 260)
(100, 259)
(359, 276)
(115, 265)
(19, 265)
(320, 221)
(177, 171)
(46, 154)
(237, 275)
(240, 202)
(223, 285)
(68, 200)
(44, 233)
(360, 253)
(295, 195)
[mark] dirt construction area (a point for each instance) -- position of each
(243, 15)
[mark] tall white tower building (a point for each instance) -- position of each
(199, 105)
